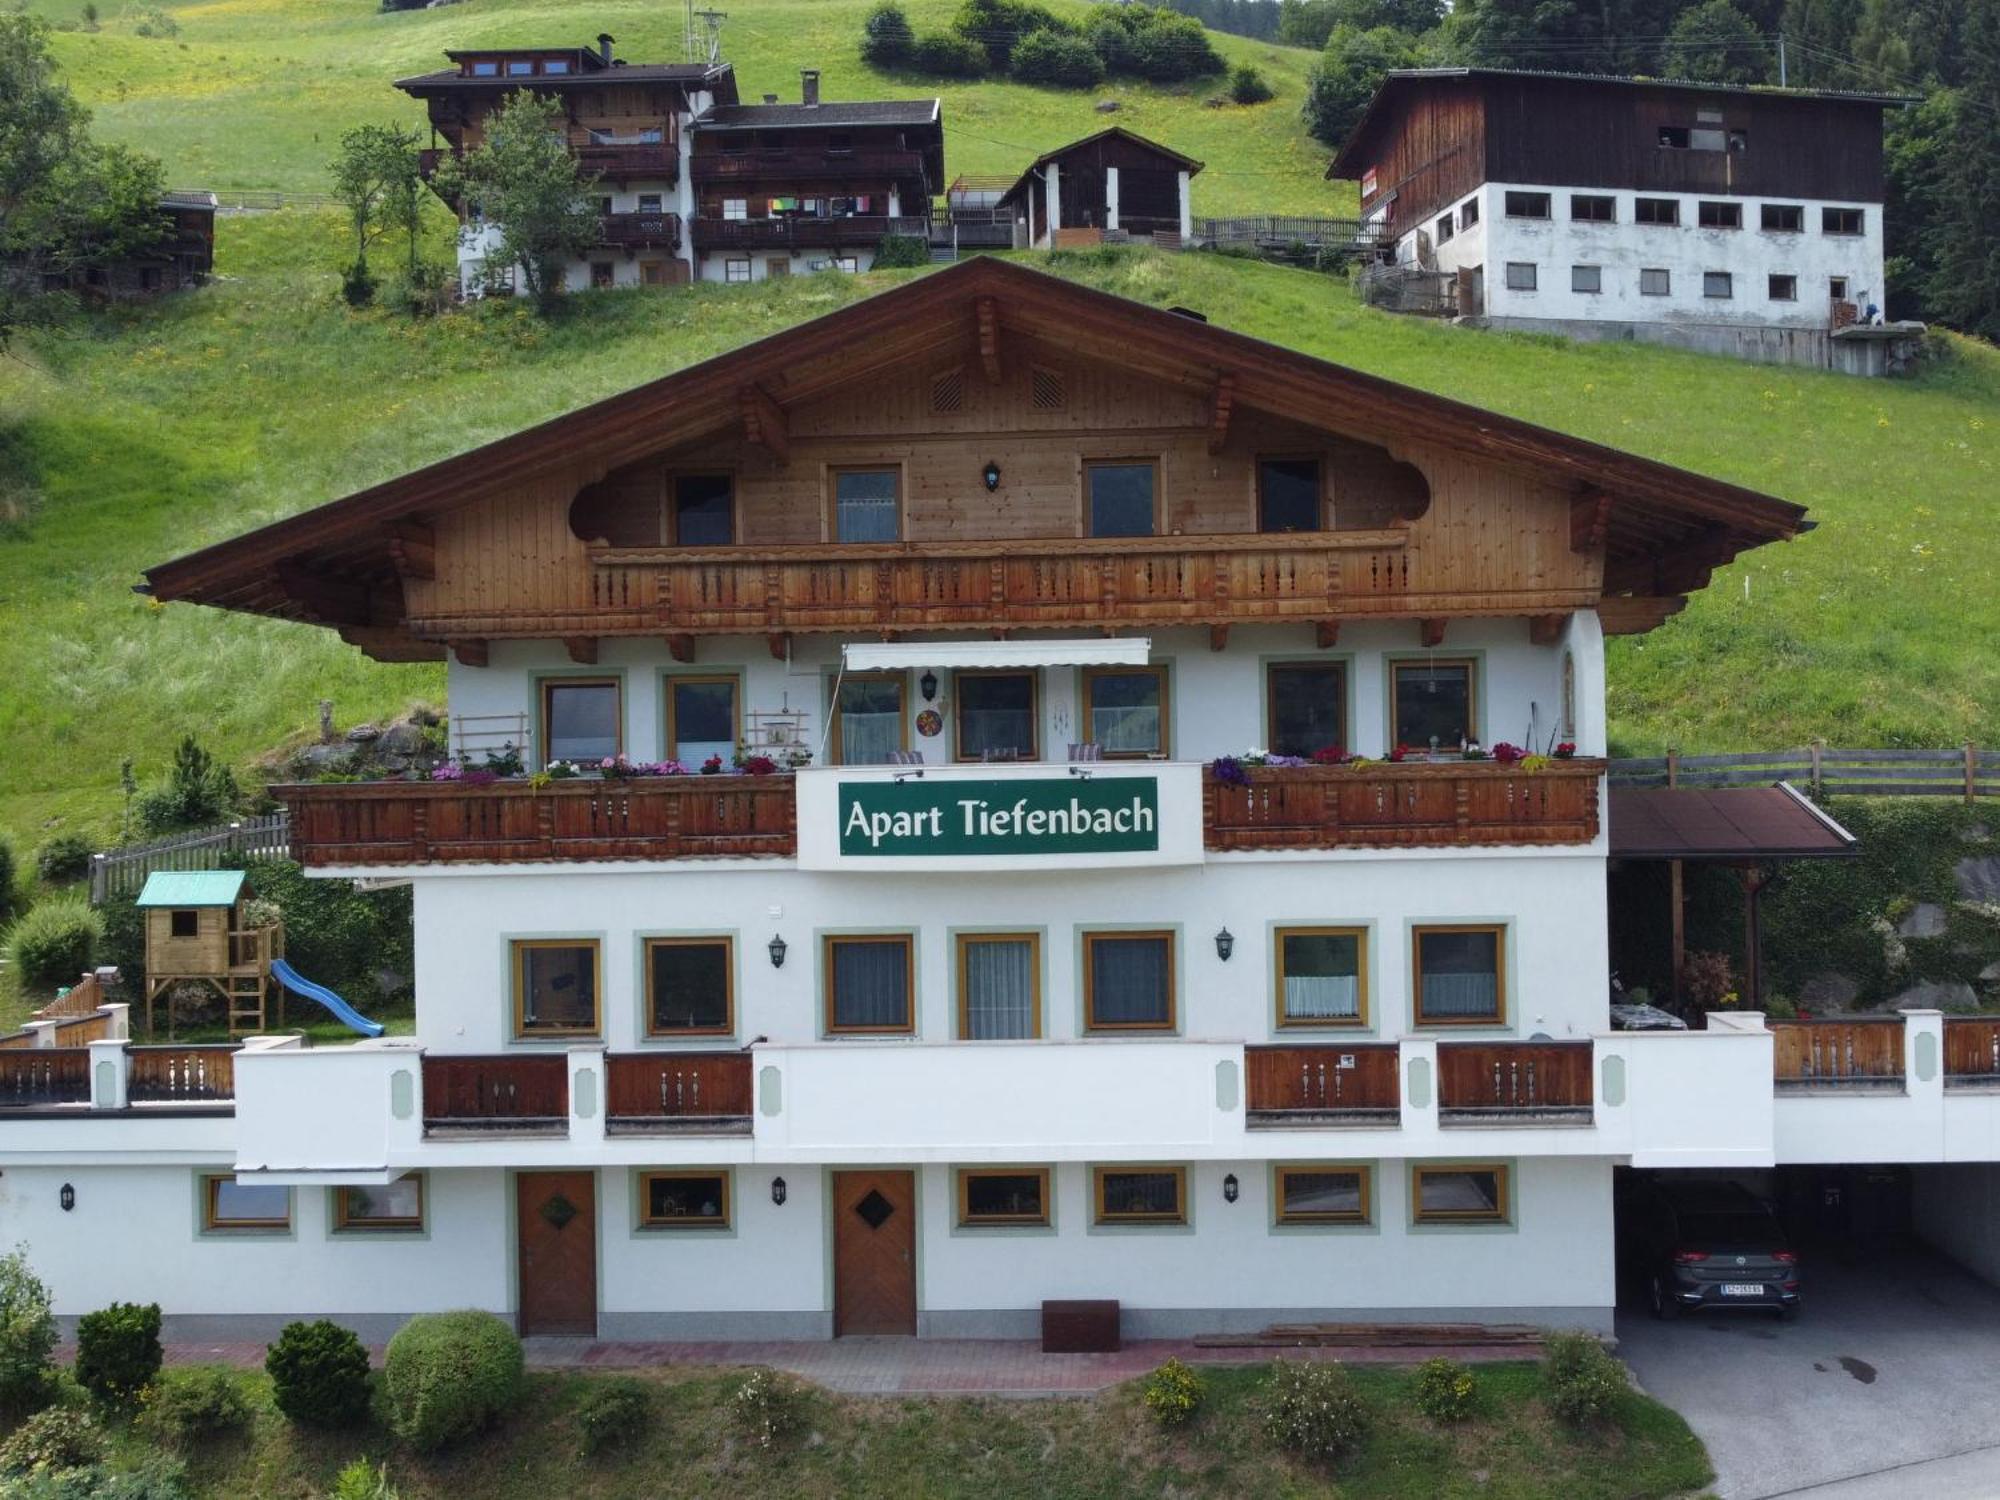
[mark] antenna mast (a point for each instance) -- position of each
(704, 35)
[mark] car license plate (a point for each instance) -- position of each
(1742, 1289)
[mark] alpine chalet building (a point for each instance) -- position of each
(997, 794)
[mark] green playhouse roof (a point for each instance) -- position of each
(192, 888)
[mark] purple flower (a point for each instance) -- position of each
(1229, 771)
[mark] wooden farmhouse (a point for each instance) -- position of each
(1114, 184)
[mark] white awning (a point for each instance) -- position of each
(896, 656)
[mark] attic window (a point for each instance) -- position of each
(948, 391)
(1046, 391)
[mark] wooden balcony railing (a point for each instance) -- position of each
(1971, 1051)
(44, 1075)
(1031, 584)
(677, 817)
(181, 1075)
(514, 1091)
(813, 169)
(1292, 1085)
(640, 231)
(799, 232)
(1484, 1079)
(1839, 1053)
(678, 1090)
(655, 161)
(1399, 805)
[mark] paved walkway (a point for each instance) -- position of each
(899, 1366)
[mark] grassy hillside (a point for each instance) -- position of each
(255, 93)
(162, 428)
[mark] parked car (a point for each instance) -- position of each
(1695, 1246)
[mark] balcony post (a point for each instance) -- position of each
(117, 1021)
(588, 1084)
(1923, 1068)
(1417, 1060)
(109, 1066)
(44, 1032)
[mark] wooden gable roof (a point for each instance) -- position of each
(342, 563)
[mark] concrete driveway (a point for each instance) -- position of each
(1887, 1387)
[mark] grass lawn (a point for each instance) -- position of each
(255, 93)
(941, 1448)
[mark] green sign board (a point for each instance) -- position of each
(1105, 815)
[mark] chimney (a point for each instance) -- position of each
(604, 48)
(809, 87)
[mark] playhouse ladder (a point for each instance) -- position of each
(245, 994)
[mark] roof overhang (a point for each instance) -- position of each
(1734, 825)
(899, 656)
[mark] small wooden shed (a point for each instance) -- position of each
(196, 930)
(1112, 183)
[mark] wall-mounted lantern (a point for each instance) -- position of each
(778, 1191)
(991, 474)
(777, 950)
(928, 685)
(1229, 1188)
(67, 1197)
(1225, 944)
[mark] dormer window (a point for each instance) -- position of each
(486, 70)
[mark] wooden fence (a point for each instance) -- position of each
(120, 872)
(1966, 772)
(1281, 231)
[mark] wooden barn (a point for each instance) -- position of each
(1102, 187)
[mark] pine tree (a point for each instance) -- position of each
(1966, 290)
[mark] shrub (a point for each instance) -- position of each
(1247, 85)
(157, 1476)
(55, 941)
(27, 1335)
(8, 874)
(894, 251)
(1058, 59)
(319, 1374)
(448, 1374)
(1111, 41)
(1168, 47)
(1445, 1389)
(360, 1481)
(63, 1437)
(118, 1350)
(767, 1408)
(64, 859)
(886, 38)
(999, 26)
(611, 1412)
(187, 1406)
(1580, 1380)
(1313, 1409)
(357, 284)
(198, 790)
(1172, 1393)
(947, 55)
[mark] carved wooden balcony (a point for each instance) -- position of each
(1404, 805)
(1331, 1083)
(1501, 1080)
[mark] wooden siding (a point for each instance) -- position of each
(1311, 1080)
(1513, 1077)
(1433, 153)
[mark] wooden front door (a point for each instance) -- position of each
(556, 1215)
(874, 1252)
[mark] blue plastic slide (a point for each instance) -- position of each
(344, 1013)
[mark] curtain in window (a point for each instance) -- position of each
(1322, 997)
(996, 715)
(871, 722)
(1128, 981)
(1461, 974)
(582, 721)
(1125, 712)
(704, 722)
(871, 984)
(865, 506)
(999, 988)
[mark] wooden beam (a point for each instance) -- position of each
(412, 548)
(581, 648)
(1635, 614)
(779, 643)
(764, 423)
(390, 643)
(334, 601)
(1218, 637)
(470, 653)
(681, 647)
(1430, 632)
(1589, 520)
(1546, 630)
(1327, 634)
(988, 311)
(1219, 405)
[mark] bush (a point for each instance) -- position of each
(897, 250)
(8, 875)
(357, 284)
(1313, 1409)
(1580, 1380)
(449, 1374)
(118, 1350)
(157, 1476)
(1058, 59)
(1168, 47)
(27, 1336)
(999, 26)
(767, 1408)
(886, 38)
(199, 790)
(1247, 86)
(319, 1374)
(64, 859)
(1172, 1393)
(947, 55)
(55, 941)
(63, 1437)
(612, 1412)
(1445, 1389)
(359, 1481)
(188, 1406)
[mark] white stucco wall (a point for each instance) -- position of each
(713, 265)
(1621, 249)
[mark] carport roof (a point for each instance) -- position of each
(1745, 823)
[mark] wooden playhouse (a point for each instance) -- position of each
(197, 931)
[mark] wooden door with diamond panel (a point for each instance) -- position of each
(874, 1252)
(556, 1219)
